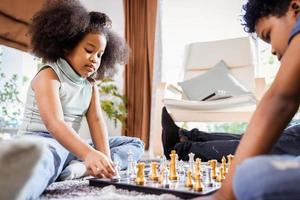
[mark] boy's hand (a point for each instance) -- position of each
(99, 165)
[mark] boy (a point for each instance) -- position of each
(276, 22)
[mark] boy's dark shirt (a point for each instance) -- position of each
(295, 30)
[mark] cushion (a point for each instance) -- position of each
(217, 80)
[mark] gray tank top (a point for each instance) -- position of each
(75, 95)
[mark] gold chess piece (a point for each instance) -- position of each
(189, 180)
(140, 175)
(223, 164)
(198, 185)
(221, 176)
(153, 175)
(230, 159)
(173, 171)
(197, 170)
(213, 164)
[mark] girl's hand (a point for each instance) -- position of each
(99, 165)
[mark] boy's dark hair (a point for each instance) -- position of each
(257, 9)
(62, 24)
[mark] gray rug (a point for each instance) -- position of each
(80, 190)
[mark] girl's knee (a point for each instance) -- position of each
(138, 142)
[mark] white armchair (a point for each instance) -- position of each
(238, 54)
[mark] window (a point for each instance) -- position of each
(17, 68)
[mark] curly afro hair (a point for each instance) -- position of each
(257, 9)
(61, 25)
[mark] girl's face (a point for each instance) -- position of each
(85, 58)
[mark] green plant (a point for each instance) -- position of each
(235, 127)
(10, 104)
(112, 102)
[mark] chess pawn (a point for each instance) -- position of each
(198, 185)
(162, 173)
(173, 171)
(189, 180)
(153, 175)
(213, 164)
(140, 175)
(165, 183)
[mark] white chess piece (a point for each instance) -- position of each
(191, 162)
(130, 173)
(116, 177)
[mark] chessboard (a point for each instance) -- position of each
(174, 187)
(183, 179)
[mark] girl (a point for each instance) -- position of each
(79, 48)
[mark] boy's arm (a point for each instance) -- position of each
(97, 124)
(272, 115)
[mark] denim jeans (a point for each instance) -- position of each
(268, 178)
(56, 157)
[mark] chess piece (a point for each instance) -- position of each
(130, 172)
(191, 162)
(208, 181)
(173, 171)
(181, 173)
(153, 176)
(165, 183)
(221, 175)
(197, 167)
(163, 163)
(117, 177)
(189, 180)
(198, 185)
(140, 175)
(162, 173)
(229, 161)
(213, 164)
(223, 163)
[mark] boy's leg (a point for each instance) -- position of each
(17, 160)
(119, 147)
(268, 177)
(201, 136)
(48, 167)
(215, 149)
(289, 142)
(204, 145)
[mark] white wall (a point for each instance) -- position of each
(188, 21)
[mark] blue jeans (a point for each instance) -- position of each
(268, 178)
(56, 157)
